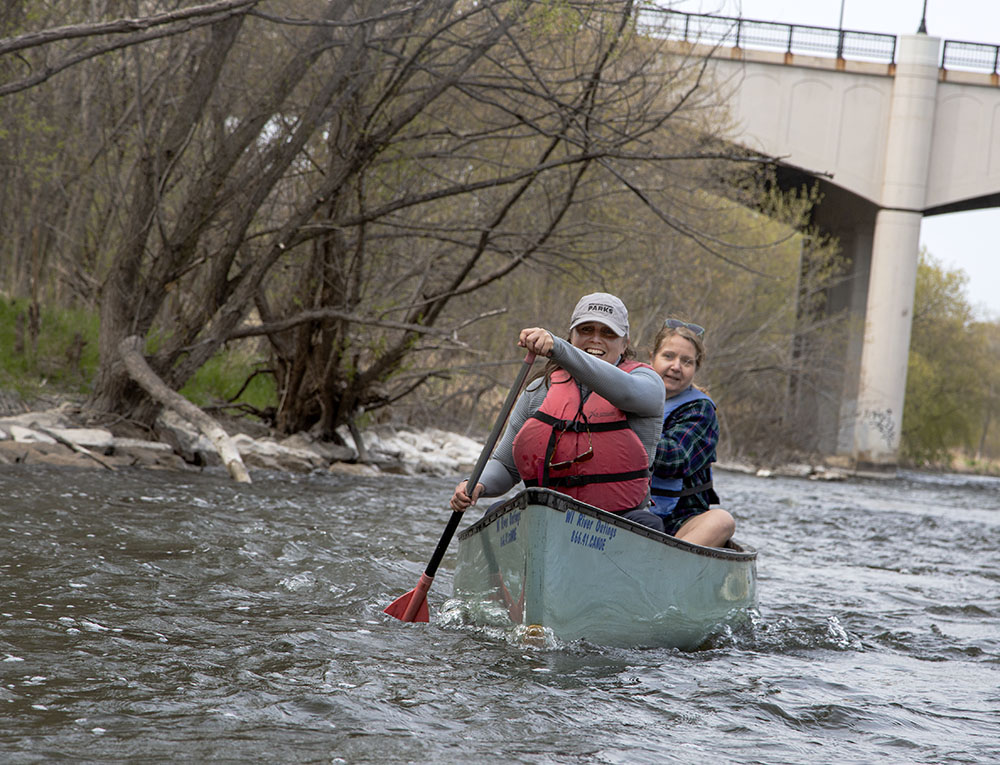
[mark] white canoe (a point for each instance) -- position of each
(545, 559)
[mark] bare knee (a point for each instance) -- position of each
(727, 524)
(713, 528)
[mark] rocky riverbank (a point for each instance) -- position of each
(61, 436)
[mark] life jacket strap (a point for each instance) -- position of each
(573, 481)
(682, 492)
(579, 426)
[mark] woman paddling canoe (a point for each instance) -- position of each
(589, 426)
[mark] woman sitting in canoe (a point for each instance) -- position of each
(589, 426)
(682, 470)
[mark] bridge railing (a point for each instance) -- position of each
(768, 35)
(974, 57)
(728, 31)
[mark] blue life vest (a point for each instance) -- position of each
(667, 491)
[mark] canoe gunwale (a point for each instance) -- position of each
(562, 503)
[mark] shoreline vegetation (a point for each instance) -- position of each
(43, 420)
(214, 219)
(58, 431)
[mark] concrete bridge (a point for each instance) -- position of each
(893, 128)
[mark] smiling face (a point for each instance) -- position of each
(675, 361)
(598, 340)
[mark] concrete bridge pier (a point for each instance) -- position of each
(885, 349)
(895, 249)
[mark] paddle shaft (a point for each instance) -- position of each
(477, 471)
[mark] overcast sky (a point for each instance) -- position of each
(968, 241)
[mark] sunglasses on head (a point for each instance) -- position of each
(582, 457)
(677, 324)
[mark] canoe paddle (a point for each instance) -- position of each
(412, 607)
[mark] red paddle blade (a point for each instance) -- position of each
(412, 607)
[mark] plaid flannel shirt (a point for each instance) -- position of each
(687, 450)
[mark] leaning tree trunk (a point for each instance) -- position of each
(138, 369)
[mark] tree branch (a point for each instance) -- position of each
(74, 31)
(319, 314)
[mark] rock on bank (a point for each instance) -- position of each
(56, 437)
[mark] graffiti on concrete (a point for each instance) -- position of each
(881, 421)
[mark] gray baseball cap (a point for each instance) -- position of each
(603, 308)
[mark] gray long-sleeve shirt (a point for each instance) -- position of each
(638, 393)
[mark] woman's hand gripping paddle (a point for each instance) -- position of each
(412, 607)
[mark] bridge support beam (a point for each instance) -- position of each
(889, 312)
(885, 351)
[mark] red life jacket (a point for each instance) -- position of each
(614, 477)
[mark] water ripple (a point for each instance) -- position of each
(155, 616)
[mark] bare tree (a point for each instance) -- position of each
(346, 184)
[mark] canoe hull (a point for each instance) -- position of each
(545, 559)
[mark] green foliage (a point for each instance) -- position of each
(948, 385)
(987, 446)
(62, 358)
(227, 374)
(553, 18)
(58, 351)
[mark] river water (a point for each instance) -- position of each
(153, 616)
